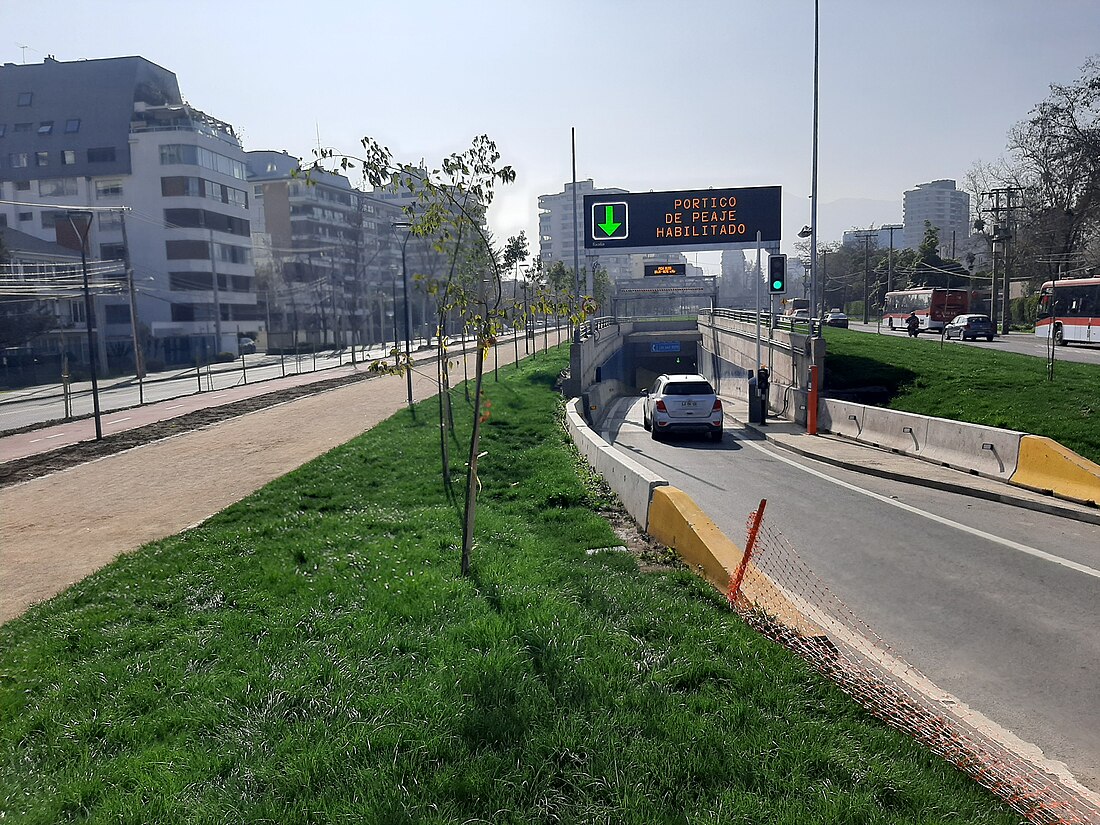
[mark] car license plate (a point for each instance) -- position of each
(689, 403)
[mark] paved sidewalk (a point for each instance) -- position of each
(863, 458)
(57, 529)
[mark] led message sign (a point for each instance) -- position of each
(665, 269)
(711, 218)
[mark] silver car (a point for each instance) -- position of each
(682, 403)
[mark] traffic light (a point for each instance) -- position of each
(777, 274)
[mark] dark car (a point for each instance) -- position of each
(836, 318)
(970, 326)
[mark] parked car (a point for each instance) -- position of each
(970, 326)
(682, 403)
(836, 318)
(246, 346)
(802, 315)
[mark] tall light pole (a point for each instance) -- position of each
(397, 227)
(83, 236)
(813, 187)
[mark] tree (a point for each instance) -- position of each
(1054, 159)
(449, 208)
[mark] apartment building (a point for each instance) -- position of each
(556, 242)
(942, 205)
(326, 255)
(166, 187)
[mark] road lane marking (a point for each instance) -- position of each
(58, 435)
(1023, 548)
(175, 406)
(118, 420)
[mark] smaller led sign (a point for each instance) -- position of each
(665, 269)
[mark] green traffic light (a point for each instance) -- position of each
(777, 284)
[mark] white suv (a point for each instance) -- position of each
(682, 403)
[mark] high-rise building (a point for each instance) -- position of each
(556, 242)
(165, 183)
(942, 205)
(326, 255)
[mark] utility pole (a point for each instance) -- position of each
(88, 313)
(139, 359)
(867, 235)
(1005, 203)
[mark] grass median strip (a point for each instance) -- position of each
(312, 655)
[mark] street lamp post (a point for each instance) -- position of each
(407, 226)
(83, 236)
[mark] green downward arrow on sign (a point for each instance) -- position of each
(609, 224)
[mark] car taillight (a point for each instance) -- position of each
(660, 405)
(717, 405)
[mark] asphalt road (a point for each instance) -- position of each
(960, 587)
(1024, 343)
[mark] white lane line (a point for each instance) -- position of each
(118, 420)
(57, 435)
(1023, 548)
(34, 440)
(174, 407)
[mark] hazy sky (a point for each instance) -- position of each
(679, 94)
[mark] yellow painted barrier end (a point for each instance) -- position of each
(1047, 466)
(677, 521)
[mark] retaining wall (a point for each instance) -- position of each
(632, 483)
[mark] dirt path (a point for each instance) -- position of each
(57, 529)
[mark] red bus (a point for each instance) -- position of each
(934, 307)
(1070, 310)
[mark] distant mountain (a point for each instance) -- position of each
(837, 217)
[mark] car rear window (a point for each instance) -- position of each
(689, 388)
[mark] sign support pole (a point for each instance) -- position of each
(759, 277)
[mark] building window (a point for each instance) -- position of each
(108, 189)
(22, 186)
(103, 154)
(117, 313)
(53, 187)
(190, 281)
(25, 98)
(41, 158)
(26, 216)
(187, 250)
(50, 219)
(23, 127)
(45, 127)
(68, 157)
(112, 251)
(18, 160)
(183, 312)
(110, 221)
(72, 126)
(3, 128)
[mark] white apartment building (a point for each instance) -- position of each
(556, 242)
(944, 206)
(166, 184)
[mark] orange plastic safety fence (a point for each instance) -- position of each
(851, 654)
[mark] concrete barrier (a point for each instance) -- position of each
(632, 483)
(600, 397)
(986, 451)
(902, 432)
(676, 520)
(840, 417)
(1047, 466)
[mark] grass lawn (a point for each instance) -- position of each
(975, 384)
(311, 654)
